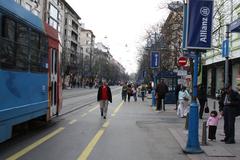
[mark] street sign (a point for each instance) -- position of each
(182, 73)
(199, 25)
(155, 59)
(235, 26)
(182, 61)
(225, 48)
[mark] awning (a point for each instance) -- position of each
(235, 26)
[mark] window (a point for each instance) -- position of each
(22, 47)
(7, 47)
(53, 12)
(65, 21)
(53, 16)
(53, 23)
(9, 29)
(34, 51)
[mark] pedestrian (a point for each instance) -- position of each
(230, 102)
(134, 92)
(183, 98)
(202, 98)
(129, 92)
(161, 91)
(212, 123)
(124, 92)
(143, 91)
(177, 89)
(104, 95)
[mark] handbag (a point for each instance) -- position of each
(206, 109)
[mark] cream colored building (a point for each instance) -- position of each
(225, 12)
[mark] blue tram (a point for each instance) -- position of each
(30, 84)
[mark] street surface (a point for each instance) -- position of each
(132, 131)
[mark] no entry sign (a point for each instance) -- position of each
(182, 61)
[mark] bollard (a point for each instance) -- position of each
(214, 105)
(204, 133)
(186, 122)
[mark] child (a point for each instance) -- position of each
(212, 123)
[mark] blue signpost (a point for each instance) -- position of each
(198, 39)
(155, 59)
(154, 63)
(225, 48)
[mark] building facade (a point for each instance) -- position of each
(87, 50)
(225, 12)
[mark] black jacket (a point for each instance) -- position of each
(234, 99)
(108, 93)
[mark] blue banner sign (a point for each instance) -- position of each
(155, 59)
(199, 25)
(225, 48)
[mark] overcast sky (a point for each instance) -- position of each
(123, 22)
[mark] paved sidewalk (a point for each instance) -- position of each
(214, 150)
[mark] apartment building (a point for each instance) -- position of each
(87, 42)
(225, 12)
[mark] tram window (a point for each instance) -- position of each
(35, 60)
(43, 43)
(43, 61)
(34, 40)
(34, 52)
(9, 29)
(7, 54)
(7, 47)
(22, 49)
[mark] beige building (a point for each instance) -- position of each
(225, 12)
(87, 42)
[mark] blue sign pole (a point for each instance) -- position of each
(193, 145)
(155, 61)
(198, 38)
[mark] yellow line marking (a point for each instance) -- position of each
(84, 114)
(113, 114)
(106, 124)
(86, 152)
(93, 109)
(34, 145)
(72, 121)
(118, 107)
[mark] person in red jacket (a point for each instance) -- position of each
(104, 95)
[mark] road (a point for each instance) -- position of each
(132, 131)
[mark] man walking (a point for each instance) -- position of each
(104, 95)
(161, 91)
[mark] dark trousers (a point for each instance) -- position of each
(142, 94)
(212, 132)
(202, 104)
(129, 96)
(159, 103)
(229, 123)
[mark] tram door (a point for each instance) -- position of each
(54, 79)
